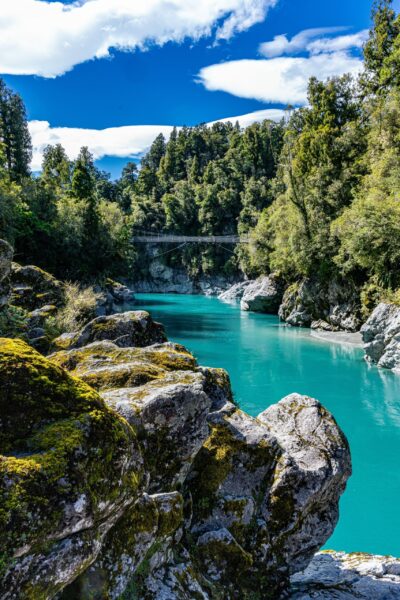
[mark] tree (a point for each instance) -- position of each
(369, 230)
(83, 176)
(56, 167)
(155, 154)
(380, 68)
(320, 167)
(14, 133)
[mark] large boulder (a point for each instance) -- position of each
(69, 466)
(381, 336)
(128, 329)
(156, 485)
(263, 295)
(6, 255)
(340, 576)
(235, 292)
(284, 471)
(33, 288)
(105, 366)
(331, 306)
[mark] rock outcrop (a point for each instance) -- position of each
(156, 482)
(263, 295)
(120, 293)
(235, 292)
(160, 278)
(33, 288)
(340, 576)
(381, 336)
(68, 470)
(128, 329)
(333, 306)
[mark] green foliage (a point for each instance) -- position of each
(381, 52)
(318, 193)
(369, 230)
(14, 134)
(321, 163)
(13, 322)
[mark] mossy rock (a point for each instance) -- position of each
(34, 288)
(105, 366)
(66, 459)
(126, 330)
(128, 547)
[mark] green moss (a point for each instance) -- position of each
(104, 366)
(14, 322)
(169, 520)
(67, 445)
(218, 384)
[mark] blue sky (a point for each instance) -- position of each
(163, 84)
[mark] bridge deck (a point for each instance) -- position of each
(199, 239)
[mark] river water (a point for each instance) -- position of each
(268, 360)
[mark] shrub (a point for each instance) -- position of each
(79, 308)
(13, 322)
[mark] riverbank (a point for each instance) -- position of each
(338, 337)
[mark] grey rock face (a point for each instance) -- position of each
(314, 468)
(204, 502)
(174, 412)
(166, 280)
(381, 336)
(149, 524)
(340, 576)
(119, 292)
(263, 295)
(285, 471)
(235, 292)
(331, 307)
(33, 288)
(129, 329)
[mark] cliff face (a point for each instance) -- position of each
(333, 306)
(136, 474)
(381, 336)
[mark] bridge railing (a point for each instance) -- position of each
(200, 239)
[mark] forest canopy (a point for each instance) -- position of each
(318, 192)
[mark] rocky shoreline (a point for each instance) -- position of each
(138, 477)
(134, 476)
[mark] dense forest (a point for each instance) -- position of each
(319, 192)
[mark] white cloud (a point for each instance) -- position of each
(282, 45)
(129, 141)
(50, 38)
(340, 43)
(284, 79)
(281, 80)
(273, 114)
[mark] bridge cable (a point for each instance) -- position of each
(172, 250)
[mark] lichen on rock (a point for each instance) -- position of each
(156, 485)
(126, 330)
(33, 288)
(68, 463)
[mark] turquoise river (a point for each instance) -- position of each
(268, 360)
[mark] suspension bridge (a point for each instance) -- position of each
(167, 238)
